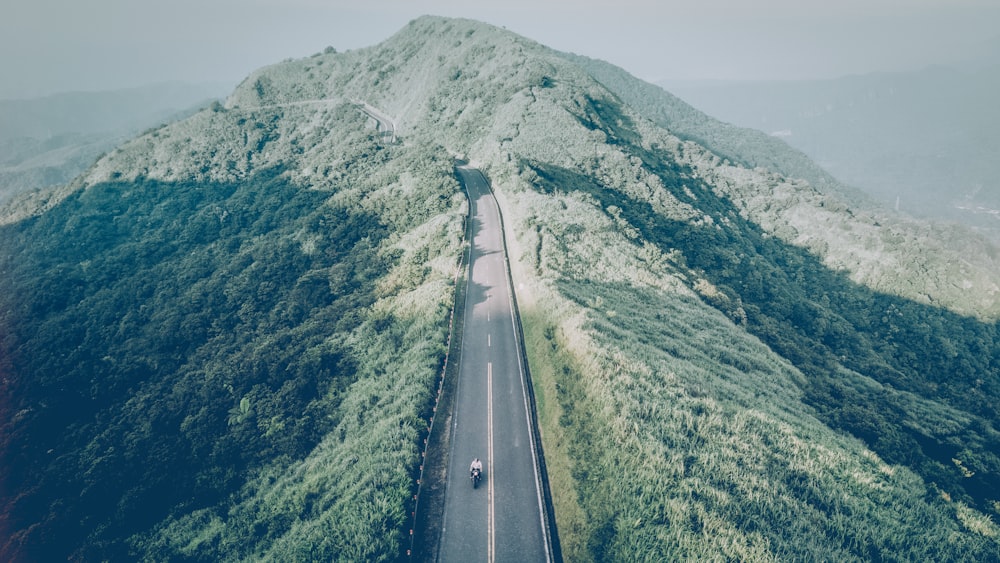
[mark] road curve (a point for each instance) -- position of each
(385, 125)
(505, 518)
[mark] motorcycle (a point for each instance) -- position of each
(477, 474)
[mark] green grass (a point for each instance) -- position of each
(675, 454)
(675, 431)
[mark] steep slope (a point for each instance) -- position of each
(847, 243)
(704, 337)
(748, 147)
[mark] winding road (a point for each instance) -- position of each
(504, 519)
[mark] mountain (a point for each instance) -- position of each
(222, 342)
(48, 141)
(925, 139)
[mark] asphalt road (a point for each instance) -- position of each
(503, 519)
(384, 124)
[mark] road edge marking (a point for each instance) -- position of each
(491, 519)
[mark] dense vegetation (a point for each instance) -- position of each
(181, 351)
(819, 320)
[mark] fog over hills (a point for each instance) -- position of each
(222, 341)
(46, 142)
(925, 139)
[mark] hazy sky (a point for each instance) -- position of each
(58, 45)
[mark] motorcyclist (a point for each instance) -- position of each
(476, 466)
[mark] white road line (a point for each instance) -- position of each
(491, 521)
(491, 493)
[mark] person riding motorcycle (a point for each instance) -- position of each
(476, 466)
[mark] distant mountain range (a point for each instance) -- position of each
(48, 141)
(926, 139)
(223, 340)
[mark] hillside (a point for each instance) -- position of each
(221, 342)
(190, 359)
(926, 137)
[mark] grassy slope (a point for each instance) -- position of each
(944, 264)
(669, 419)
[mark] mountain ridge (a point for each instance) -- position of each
(721, 370)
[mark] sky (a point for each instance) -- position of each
(49, 46)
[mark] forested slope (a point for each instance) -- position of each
(729, 362)
(214, 370)
(924, 261)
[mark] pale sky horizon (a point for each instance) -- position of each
(50, 46)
